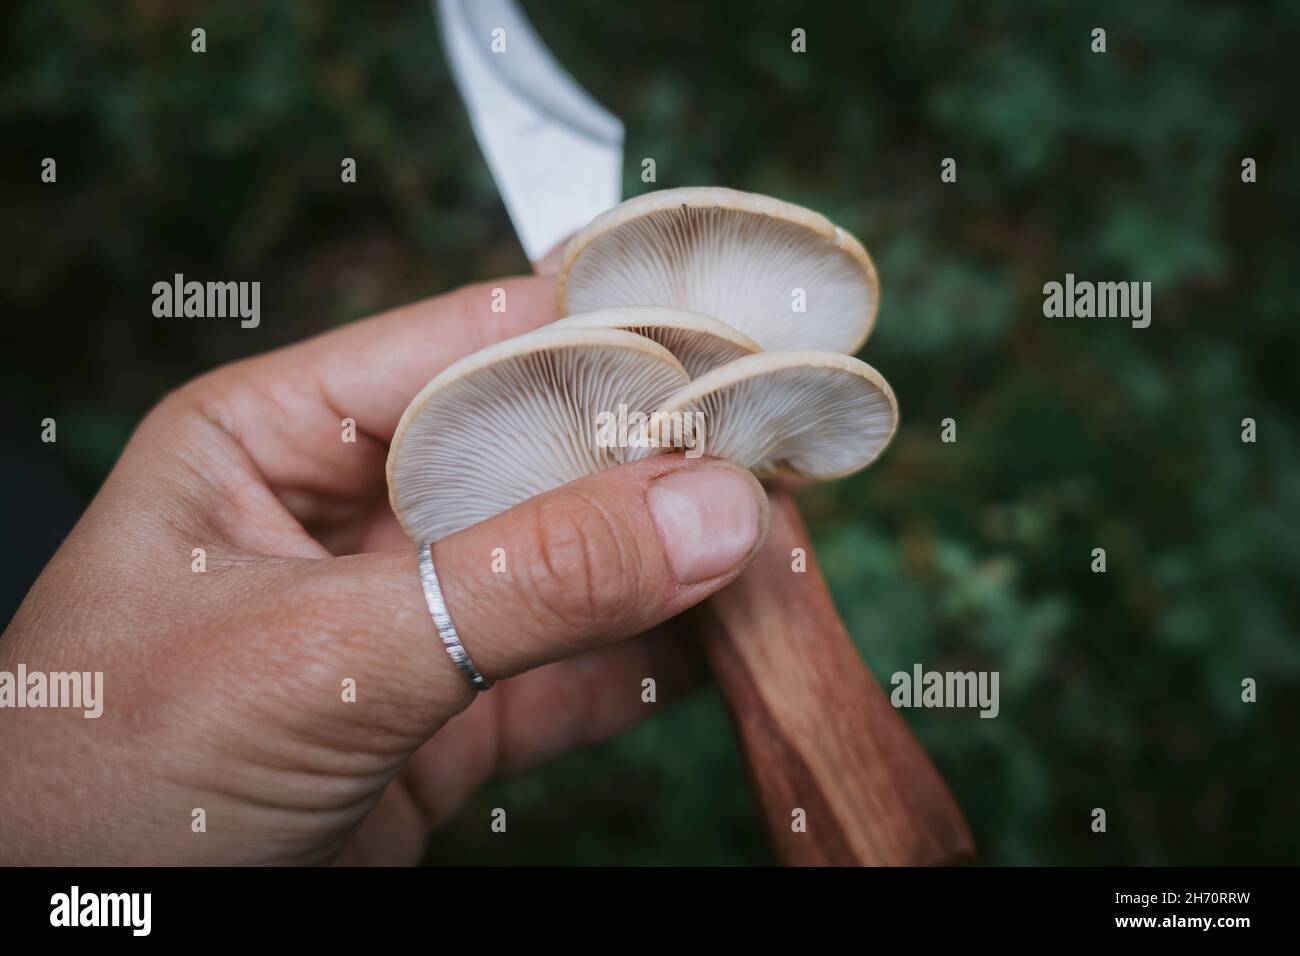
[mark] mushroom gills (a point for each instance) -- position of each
(517, 419)
(806, 414)
(785, 276)
(700, 342)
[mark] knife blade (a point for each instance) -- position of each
(555, 154)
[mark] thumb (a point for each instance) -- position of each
(596, 561)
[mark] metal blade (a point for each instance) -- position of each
(555, 153)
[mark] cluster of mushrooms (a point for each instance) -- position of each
(697, 305)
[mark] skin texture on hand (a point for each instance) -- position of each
(223, 690)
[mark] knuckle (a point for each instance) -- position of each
(581, 567)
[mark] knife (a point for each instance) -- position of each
(555, 153)
(836, 773)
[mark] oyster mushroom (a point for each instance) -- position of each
(522, 417)
(739, 257)
(700, 342)
(517, 419)
(801, 414)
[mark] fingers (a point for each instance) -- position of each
(374, 367)
(786, 485)
(529, 720)
(550, 263)
(588, 698)
(599, 560)
(593, 562)
(288, 408)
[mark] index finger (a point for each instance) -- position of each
(286, 408)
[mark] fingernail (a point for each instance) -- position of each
(708, 518)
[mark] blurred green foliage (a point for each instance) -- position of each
(1118, 690)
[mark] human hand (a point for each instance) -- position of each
(224, 690)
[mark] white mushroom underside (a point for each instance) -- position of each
(700, 342)
(523, 427)
(698, 352)
(803, 421)
(743, 268)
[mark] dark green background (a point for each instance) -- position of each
(1118, 690)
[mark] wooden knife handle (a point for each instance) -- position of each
(817, 732)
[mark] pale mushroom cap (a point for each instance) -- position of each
(807, 414)
(739, 257)
(700, 342)
(517, 419)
